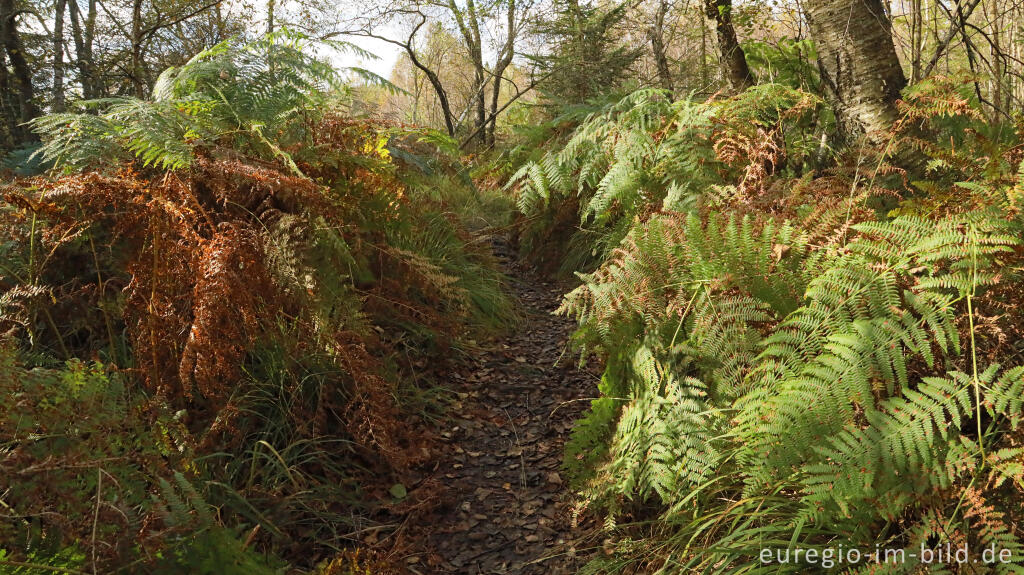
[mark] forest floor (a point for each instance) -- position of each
(506, 508)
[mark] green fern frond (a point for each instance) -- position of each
(246, 95)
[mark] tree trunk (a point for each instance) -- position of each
(83, 48)
(859, 67)
(481, 102)
(495, 94)
(416, 92)
(8, 107)
(479, 73)
(656, 34)
(22, 77)
(442, 98)
(704, 80)
(916, 38)
(504, 60)
(219, 16)
(435, 81)
(138, 83)
(469, 26)
(58, 56)
(998, 76)
(733, 58)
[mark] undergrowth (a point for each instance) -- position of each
(646, 152)
(219, 313)
(802, 348)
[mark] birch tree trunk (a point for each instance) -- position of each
(859, 67)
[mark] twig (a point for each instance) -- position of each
(522, 459)
(41, 567)
(495, 114)
(96, 515)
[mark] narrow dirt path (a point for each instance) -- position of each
(507, 509)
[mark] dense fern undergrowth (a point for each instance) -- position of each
(215, 314)
(220, 307)
(801, 350)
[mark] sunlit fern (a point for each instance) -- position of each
(247, 96)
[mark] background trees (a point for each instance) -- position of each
(487, 35)
(585, 54)
(469, 62)
(588, 49)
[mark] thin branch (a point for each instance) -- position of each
(160, 25)
(957, 24)
(432, 76)
(495, 114)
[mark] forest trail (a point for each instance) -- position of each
(508, 510)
